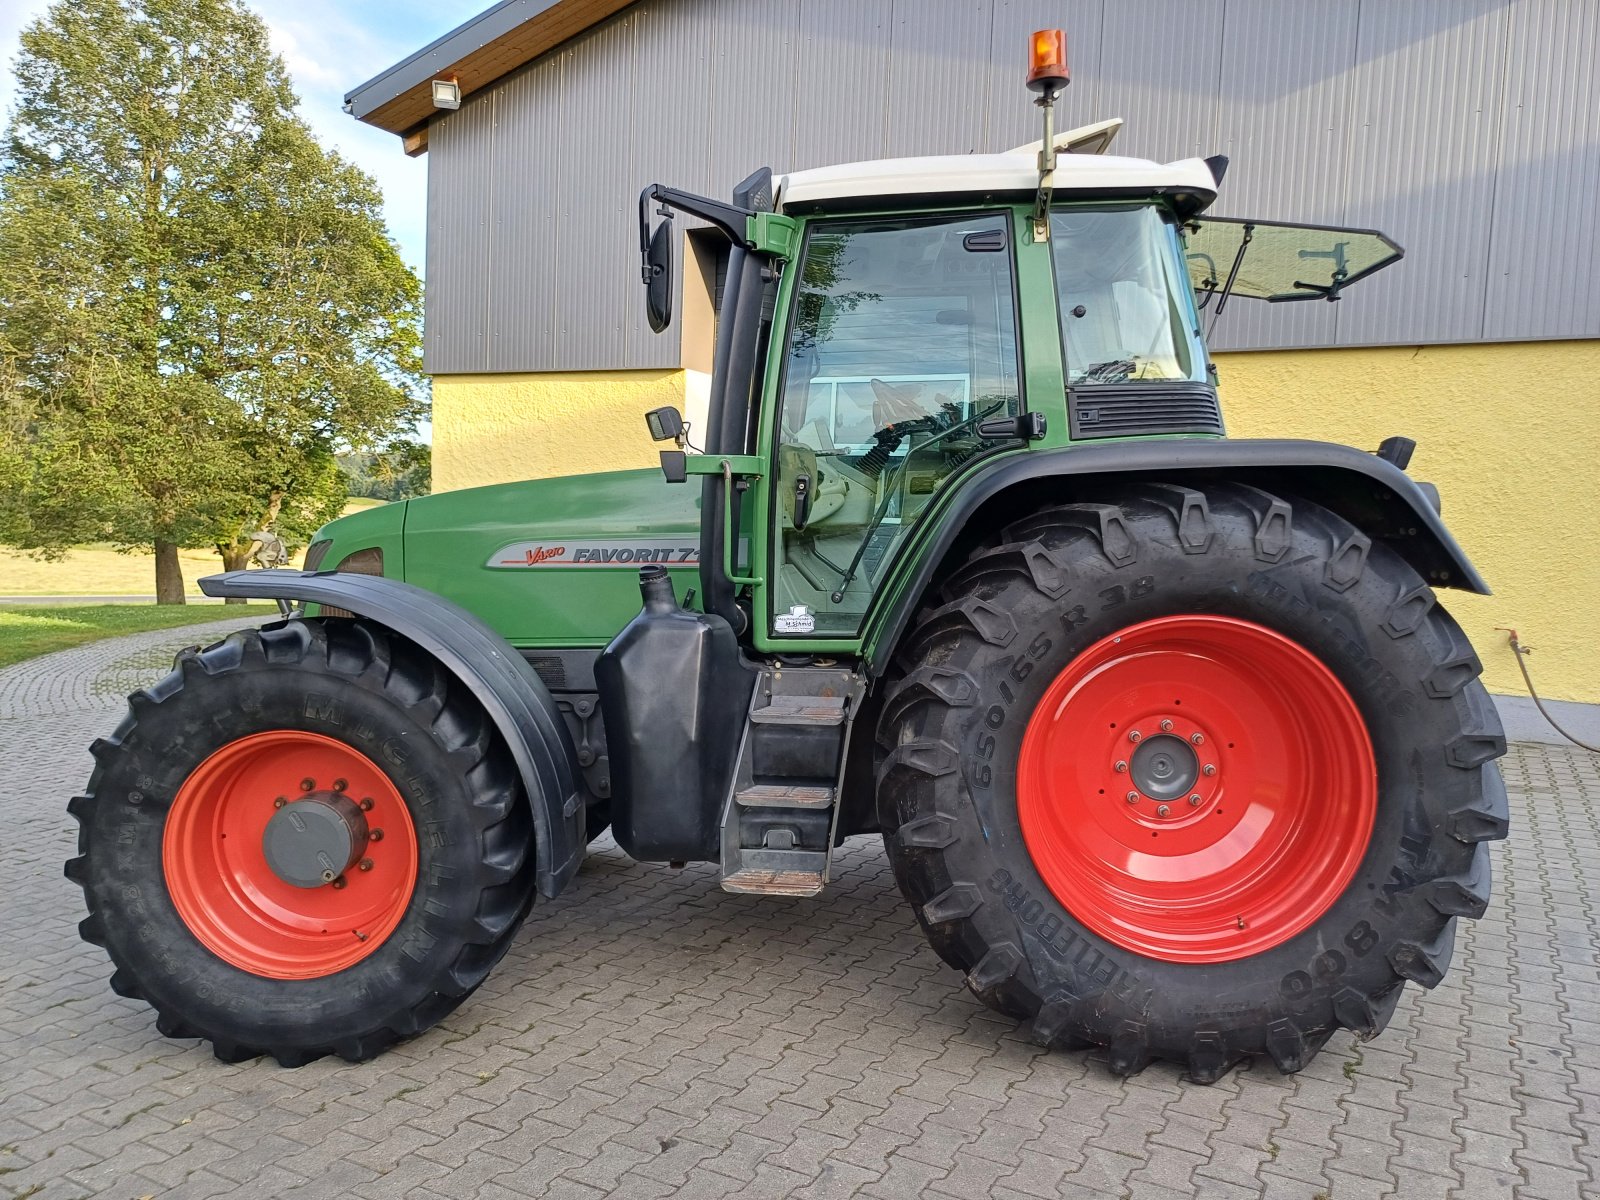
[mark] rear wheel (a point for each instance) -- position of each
(306, 840)
(1191, 776)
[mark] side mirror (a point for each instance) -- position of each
(665, 424)
(655, 249)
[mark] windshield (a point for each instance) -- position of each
(1127, 311)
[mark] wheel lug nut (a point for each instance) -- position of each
(1133, 797)
(1194, 800)
(366, 864)
(1197, 738)
(327, 877)
(1208, 769)
(338, 883)
(375, 835)
(339, 785)
(1166, 727)
(1162, 810)
(366, 804)
(1121, 766)
(279, 802)
(1134, 735)
(307, 784)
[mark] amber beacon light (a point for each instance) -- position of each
(1047, 61)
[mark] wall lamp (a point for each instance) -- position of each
(447, 92)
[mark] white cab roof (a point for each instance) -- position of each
(954, 174)
(1015, 171)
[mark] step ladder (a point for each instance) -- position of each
(782, 813)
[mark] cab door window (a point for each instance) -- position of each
(903, 340)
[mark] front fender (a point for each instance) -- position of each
(500, 679)
(1370, 492)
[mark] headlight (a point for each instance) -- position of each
(362, 562)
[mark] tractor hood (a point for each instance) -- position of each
(554, 562)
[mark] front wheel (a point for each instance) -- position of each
(306, 840)
(1194, 776)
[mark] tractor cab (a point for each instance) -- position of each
(889, 326)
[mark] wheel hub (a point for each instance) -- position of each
(315, 840)
(276, 866)
(1164, 767)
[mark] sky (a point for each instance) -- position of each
(329, 46)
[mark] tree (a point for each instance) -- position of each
(398, 472)
(199, 305)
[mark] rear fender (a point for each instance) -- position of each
(500, 679)
(1371, 493)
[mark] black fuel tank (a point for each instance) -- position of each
(675, 694)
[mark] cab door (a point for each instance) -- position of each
(901, 342)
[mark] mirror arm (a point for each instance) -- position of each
(730, 218)
(645, 198)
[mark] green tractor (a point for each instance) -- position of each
(1173, 749)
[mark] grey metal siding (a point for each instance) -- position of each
(1544, 256)
(460, 246)
(1165, 88)
(1424, 115)
(520, 271)
(1469, 130)
(1284, 118)
(592, 252)
(935, 72)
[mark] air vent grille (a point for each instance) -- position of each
(552, 671)
(1127, 410)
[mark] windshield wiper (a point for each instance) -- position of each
(1113, 370)
(1341, 271)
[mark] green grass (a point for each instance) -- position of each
(28, 630)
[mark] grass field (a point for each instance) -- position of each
(27, 630)
(100, 571)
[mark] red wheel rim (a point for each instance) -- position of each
(229, 895)
(1263, 840)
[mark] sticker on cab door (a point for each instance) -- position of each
(797, 620)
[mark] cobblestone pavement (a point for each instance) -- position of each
(651, 1036)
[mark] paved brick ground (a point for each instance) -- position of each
(650, 1036)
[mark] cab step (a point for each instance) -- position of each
(784, 795)
(800, 710)
(781, 815)
(754, 882)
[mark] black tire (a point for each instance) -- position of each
(957, 848)
(475, 840)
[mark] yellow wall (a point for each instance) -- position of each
(1509, 432)
(496, 428)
